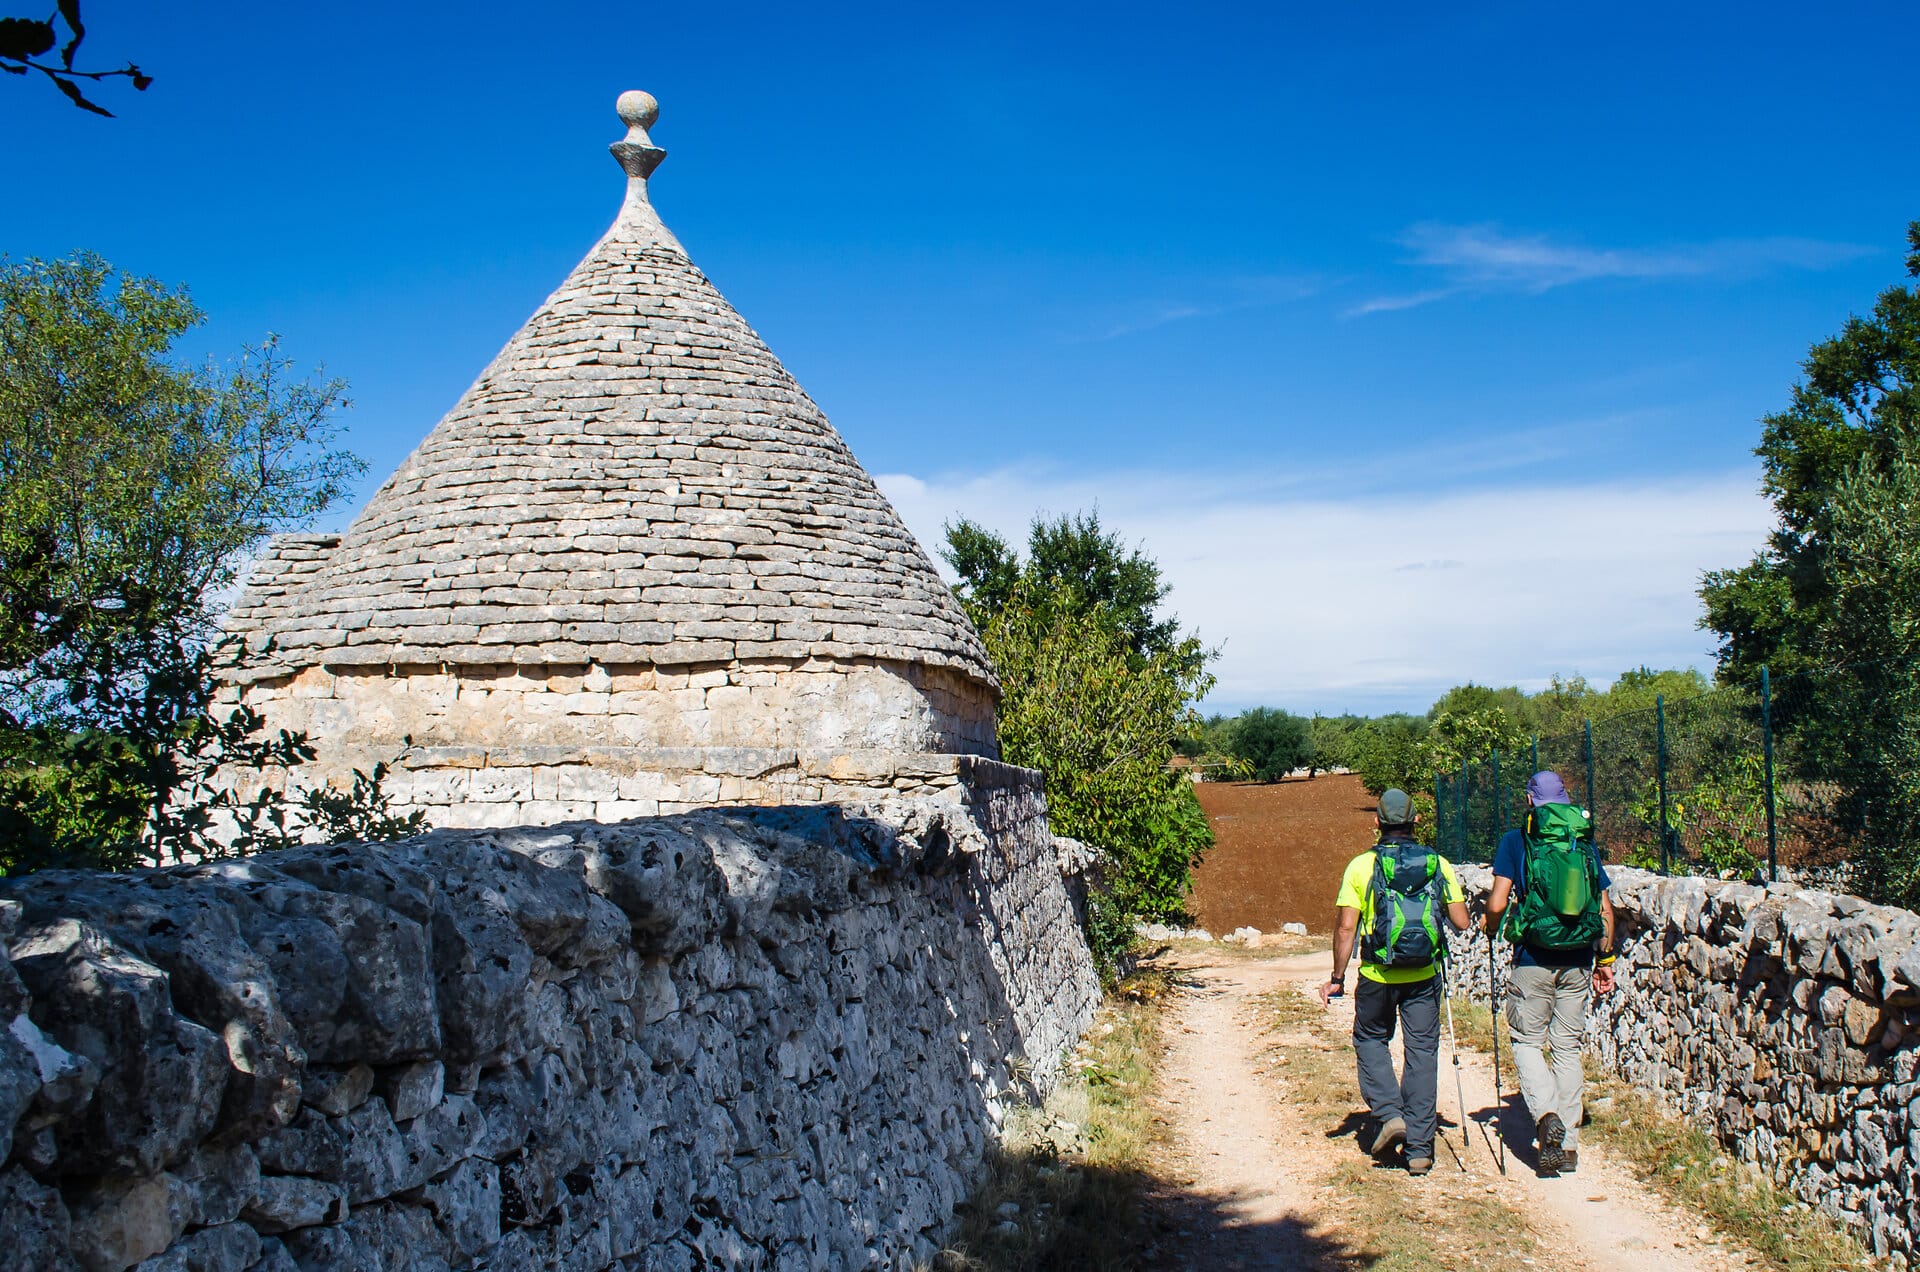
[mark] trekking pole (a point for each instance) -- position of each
(1453, 1045)
(1493, 1013)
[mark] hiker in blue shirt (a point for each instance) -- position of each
(1562, 931)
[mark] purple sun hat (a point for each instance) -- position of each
(1545, 787)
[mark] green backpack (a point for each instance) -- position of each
(1559, 905)
(1407, 890)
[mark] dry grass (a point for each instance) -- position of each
(1448, 1220)
(1066, 1188)
(1695, 1172)
(1474, 1023)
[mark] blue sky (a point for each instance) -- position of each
(1361, 319)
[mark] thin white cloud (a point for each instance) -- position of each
(1487, 258)
(1389, 304)
(1132, 318)
(1327, 599)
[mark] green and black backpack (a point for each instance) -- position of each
(1408, 892)
(1559, 906)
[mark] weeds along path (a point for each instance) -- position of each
(1266, 1171)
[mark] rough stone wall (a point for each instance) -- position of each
(506, 746)
(763, 1038)
(811, 706)
(1784, 1020)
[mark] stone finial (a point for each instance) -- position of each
(636, 151)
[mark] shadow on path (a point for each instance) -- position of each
(1512, 1123)
(1189, 1230)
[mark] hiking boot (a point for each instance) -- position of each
(1570, 1162)
(1392, 1132)
(1419, 1165)
(1552, 1135)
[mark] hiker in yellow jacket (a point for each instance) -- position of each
(1392, 900)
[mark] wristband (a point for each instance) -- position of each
(1605, 960)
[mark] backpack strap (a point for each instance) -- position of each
(1370, 912)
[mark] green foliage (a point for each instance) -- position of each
(1642, 688)
(1468, 730)
(1333, 742)
(1387, 751)
(1485, 702)
(1272, 743)
(1069, 554)
(1207, 747)
(1853, 414)
(131, 488)
(1869, 738)
(1835, 595)
(988, 566)
(1562, 706)
(1098, 693)
(1102, 729)
(1719, 814)
(1712, 736)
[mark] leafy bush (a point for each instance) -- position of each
(1272, 743)
(132, 487)
(1388, 751)
(1097, 694)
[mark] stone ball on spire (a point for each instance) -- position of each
(637, 109)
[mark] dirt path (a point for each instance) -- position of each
(1246, 1206)
(1254, 1169)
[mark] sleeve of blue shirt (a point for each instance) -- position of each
(1606, 880)
(1509, 858)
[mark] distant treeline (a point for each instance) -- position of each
(1406, 750)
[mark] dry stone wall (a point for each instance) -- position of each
(799, 704)
(1785, 1020)
(774, 1038)
(496, 746)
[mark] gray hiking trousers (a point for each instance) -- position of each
(1547, 1007)
(1411, 1096)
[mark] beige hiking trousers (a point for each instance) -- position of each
(1547, 1007)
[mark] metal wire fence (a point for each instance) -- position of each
(1736, 781)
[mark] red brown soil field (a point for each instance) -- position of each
(1278, 851)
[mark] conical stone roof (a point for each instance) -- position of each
(635, 479)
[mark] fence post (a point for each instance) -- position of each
(1466, 791)
(1660, 734)
(1593, 810)
(1766, 734)
(1499, 805)
(1440, 813)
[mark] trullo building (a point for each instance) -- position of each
(634, 570)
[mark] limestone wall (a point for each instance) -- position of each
(506, 745)
(760, 1038)
(1785, 1020)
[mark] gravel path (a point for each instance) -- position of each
(1250, 1168)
